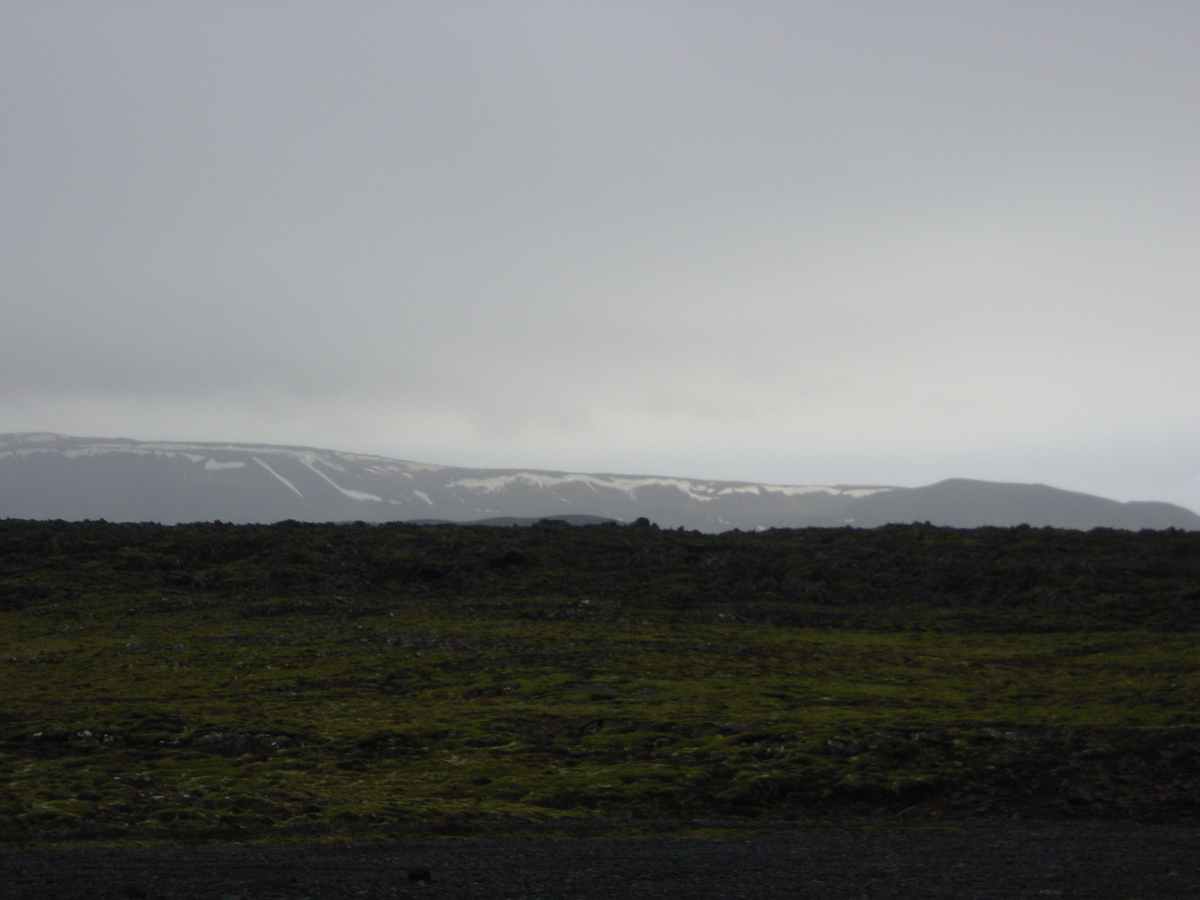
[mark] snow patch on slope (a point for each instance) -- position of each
(627, 485)
(697, 490)
(212, 465)
(277, 475)
(310, 461)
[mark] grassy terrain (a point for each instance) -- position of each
(226, 682)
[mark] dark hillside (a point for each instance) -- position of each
(965, 503)
(894, 577)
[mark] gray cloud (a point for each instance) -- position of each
(794, 242)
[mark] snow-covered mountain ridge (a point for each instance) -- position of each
(50, 476)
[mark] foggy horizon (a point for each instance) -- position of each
(824, 243)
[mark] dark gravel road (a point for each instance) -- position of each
(973, 861)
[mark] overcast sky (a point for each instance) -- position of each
(799, 242)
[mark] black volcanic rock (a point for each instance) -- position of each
(47, 476)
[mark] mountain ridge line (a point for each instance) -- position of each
(52, 476)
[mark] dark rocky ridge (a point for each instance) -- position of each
(45, 476)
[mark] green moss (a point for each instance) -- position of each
(248, 694)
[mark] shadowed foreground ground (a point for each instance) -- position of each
(218, 682)
(969, 861)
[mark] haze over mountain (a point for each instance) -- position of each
(50, 476)
(838, 242)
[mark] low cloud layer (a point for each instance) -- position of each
(864, 243)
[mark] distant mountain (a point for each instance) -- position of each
(50, 476)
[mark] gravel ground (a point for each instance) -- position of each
(970, 861)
